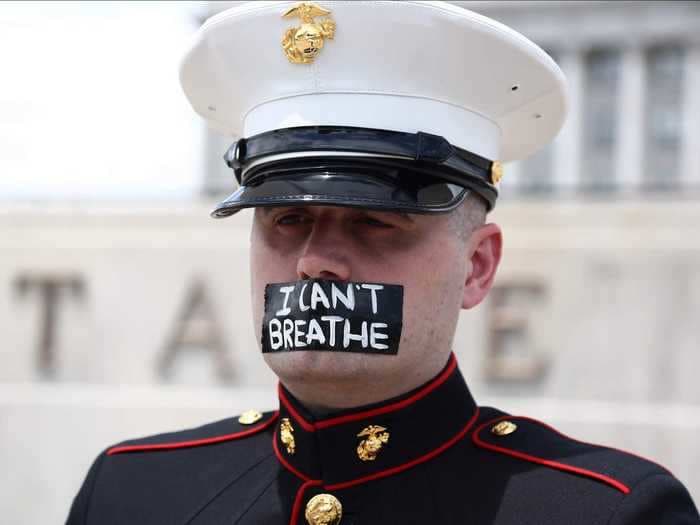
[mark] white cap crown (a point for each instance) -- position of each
(401, 66)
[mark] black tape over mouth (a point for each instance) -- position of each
(332, 316)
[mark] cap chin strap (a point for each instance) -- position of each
(414, 153)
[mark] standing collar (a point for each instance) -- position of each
(398, 433)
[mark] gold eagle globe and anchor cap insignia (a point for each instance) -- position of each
(287, 436)
(376, 438)
(303, 43)
(323, 509)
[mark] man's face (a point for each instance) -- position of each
(422, 253)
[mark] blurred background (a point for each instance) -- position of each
(124, 308)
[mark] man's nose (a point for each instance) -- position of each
(324, 257)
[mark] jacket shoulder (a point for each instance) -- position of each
(530, 440)
(625, 488)
(160, 478)
(230, 429)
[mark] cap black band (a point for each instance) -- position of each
(424, 148)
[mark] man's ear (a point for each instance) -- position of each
(484, 255)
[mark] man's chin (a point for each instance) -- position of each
(323, 366)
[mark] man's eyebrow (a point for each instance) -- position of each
(267, 210)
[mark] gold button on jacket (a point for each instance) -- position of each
(323, 509)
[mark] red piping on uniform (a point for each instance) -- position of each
(405, 466)
(427, 389)
(299, 497)
(525, 418)
(288, 465)
(541, 461)
(194, 442)
(382, 473)
(297, 417)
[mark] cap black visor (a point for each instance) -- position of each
(373, 184)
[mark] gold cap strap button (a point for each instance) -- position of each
(496, 172)
(323, 509)
(249, 417)
(504, 428)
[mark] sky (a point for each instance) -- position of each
(90, 102)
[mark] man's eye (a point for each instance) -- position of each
(291, 219)
(371, 221)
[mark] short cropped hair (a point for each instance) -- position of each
(469, 216)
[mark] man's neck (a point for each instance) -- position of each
(322, 397)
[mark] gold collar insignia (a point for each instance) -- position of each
(376, 438)
(287, 436)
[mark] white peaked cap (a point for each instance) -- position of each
(394, 65)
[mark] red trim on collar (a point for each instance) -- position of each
(296, 415)
(382, 473)
(541, 461)
(405, 466)
(194, 442)
(398, 405)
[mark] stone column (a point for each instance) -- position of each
(629, 156)
(568, 144)
(690, 140)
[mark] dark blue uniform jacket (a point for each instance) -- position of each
(443, 459)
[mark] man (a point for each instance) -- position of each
(373, 136)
